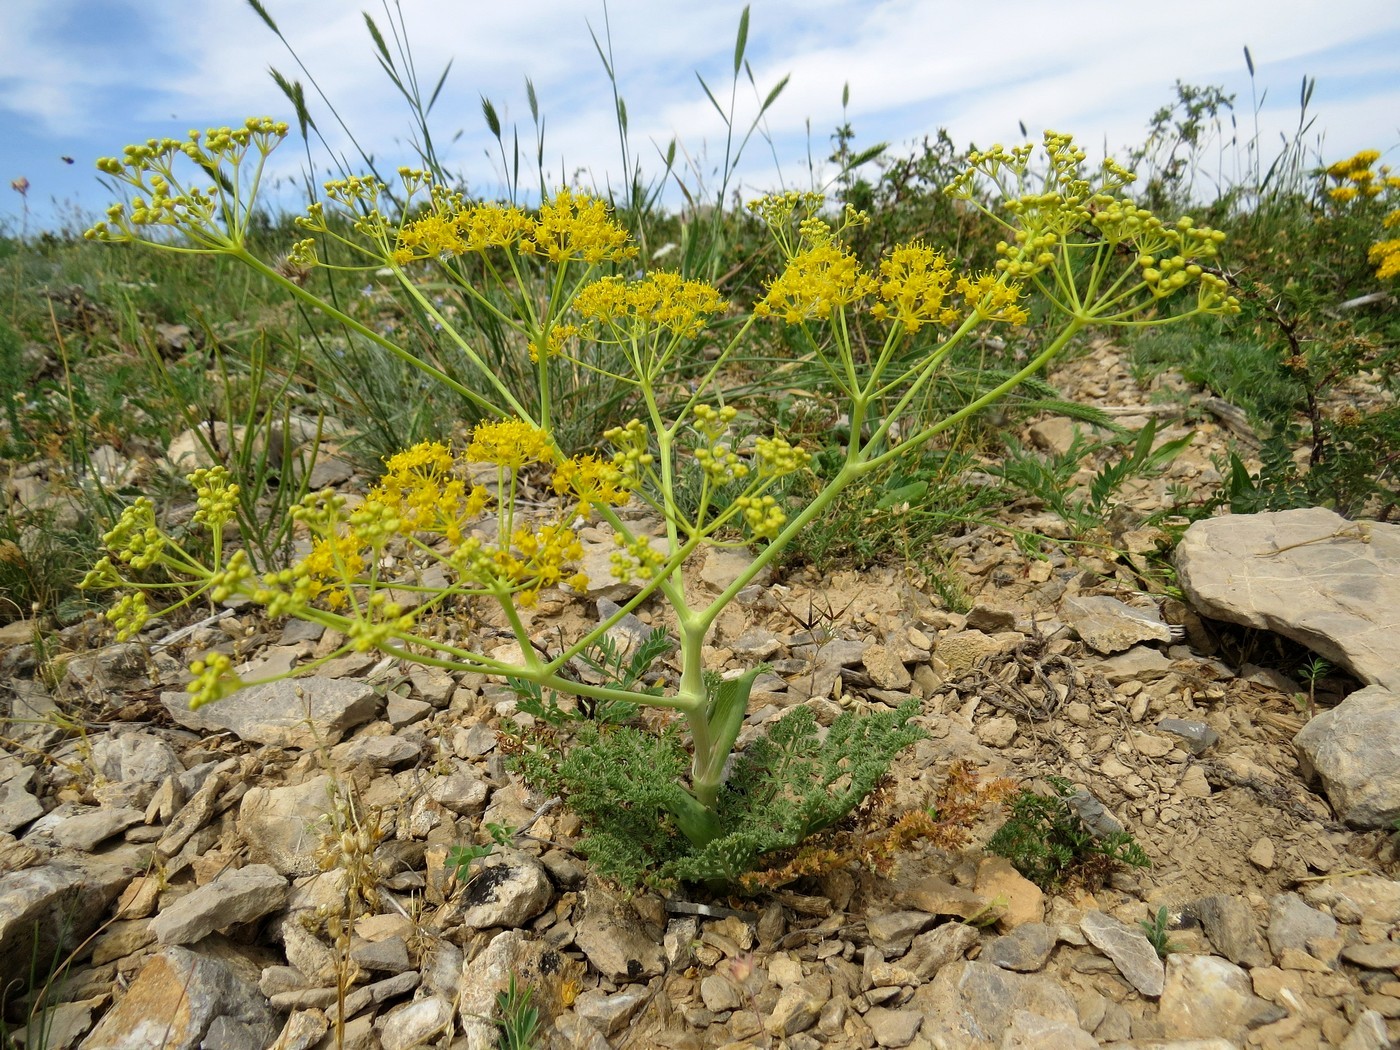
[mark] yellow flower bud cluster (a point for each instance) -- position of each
(158, 195)
(776, 457)
(559, 337)
(216, 498)
(591, 481)
(135, 539)
(637, 559)
(213, 680)
(129, 615)
(633, 449)
(762, 515)
(717, 459)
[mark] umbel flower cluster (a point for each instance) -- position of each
(444, 529)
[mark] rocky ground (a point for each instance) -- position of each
(216, 870)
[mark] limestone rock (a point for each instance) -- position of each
(1310, 575)
(57, 905)
(1208, 996)
(1025, 949)
(532, 962)
(87, 830)
(971, 1004)
(303, 713)
(1354, 750)
(1141, 663)
(1129, 949)
(1017, 899)
(507, 889)
(1229, 923)
(1109, 626)
(283, 826)
(237, 896)
(414, 1024)
(932, 951)
(174, 1002)
(1029, 1031)
(893, 1027)
(610, 1012)
(17, 806)
(611, 934)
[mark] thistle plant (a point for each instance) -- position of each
(426, 545)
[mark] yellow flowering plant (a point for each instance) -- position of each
(1357, 183)
(444, 530)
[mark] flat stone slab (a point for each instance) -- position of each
(303, 713)
(1310, 575)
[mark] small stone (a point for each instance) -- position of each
(1025, 949)
(414, 1024)
(932, 951)
(509, 889)
(175, 999)
(1382, 956)
(719, 994)
(893, 932)
(1262, 853)
(796, 1010)
(1198, 736)
(997, 732)
(1109, 626)
(893, 1028)
(237, 896)
(1138, 664)
(1229, 923)
(1029, 1031)
(885, 668)
(990, 619)
(610, 1012)
(1292, 924)
(1021, 901)
(1129, 949)
(1351, 749)
(88, 830)
(1194, 783)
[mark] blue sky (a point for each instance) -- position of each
(82, 78)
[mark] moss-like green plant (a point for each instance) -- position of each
(1047, 841)
(792, 782)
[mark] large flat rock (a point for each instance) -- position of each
(1309, 575)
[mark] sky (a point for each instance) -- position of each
(79, 79)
